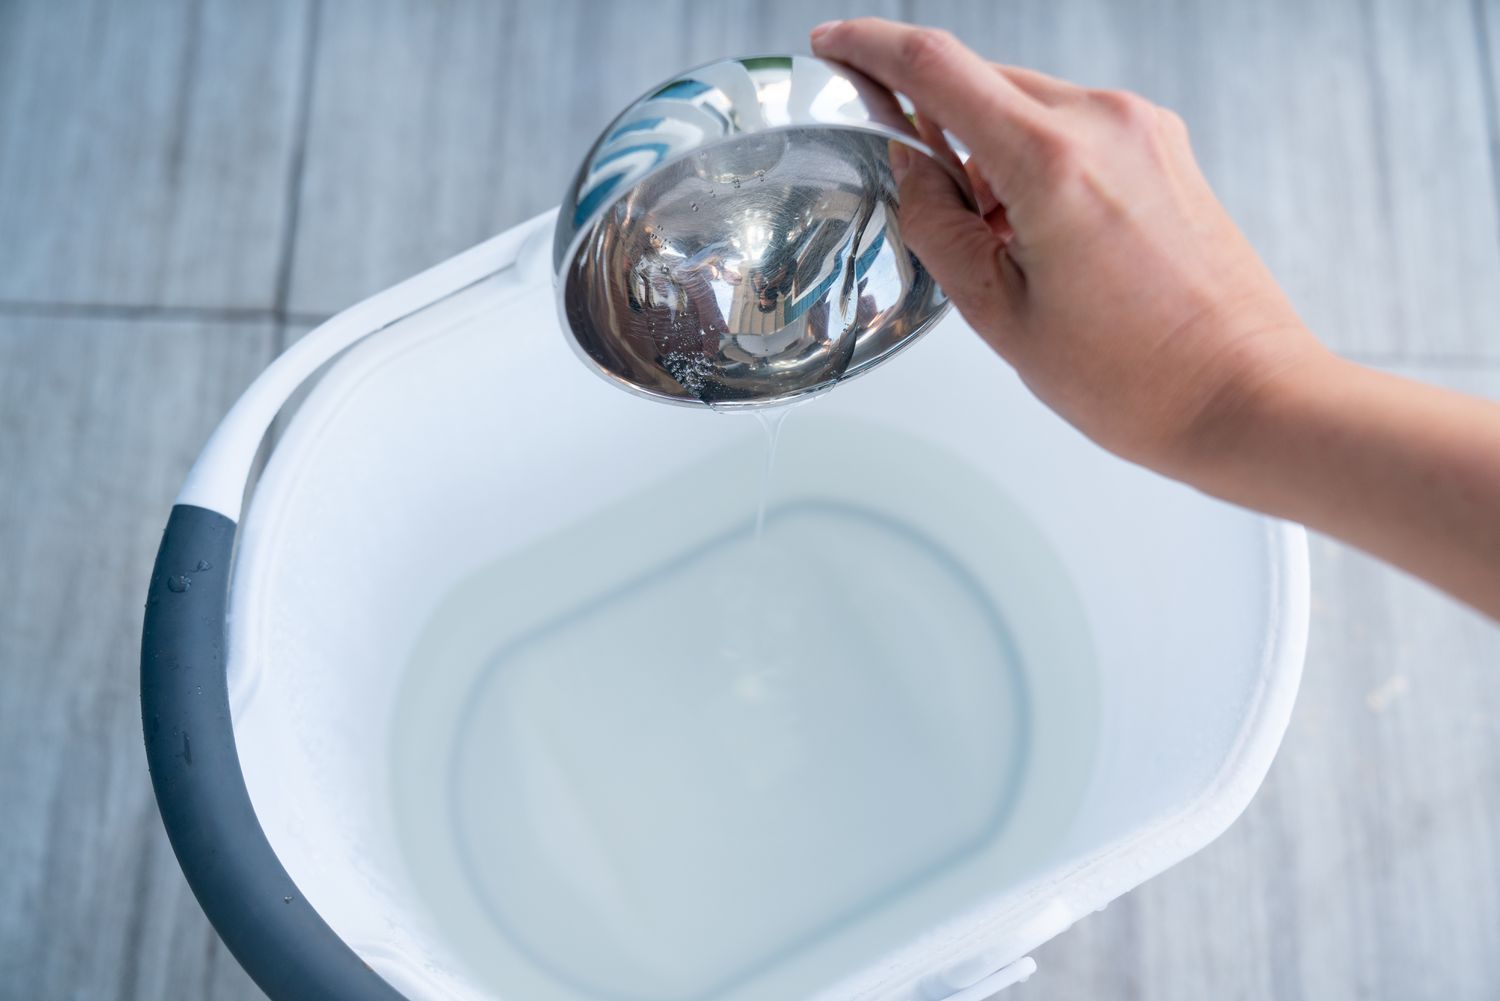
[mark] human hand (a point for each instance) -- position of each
(1103, 268)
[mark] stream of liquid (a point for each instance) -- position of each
(771, 421)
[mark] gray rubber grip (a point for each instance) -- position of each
(276, 935)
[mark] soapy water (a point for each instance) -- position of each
(731, 767)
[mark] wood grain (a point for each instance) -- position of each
(484, 112)
(1368, 865)
(1347, 138)
(170, 166)
(1487, 37)
(145, 150)
(98, 424)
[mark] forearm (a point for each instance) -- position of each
(1403, 470)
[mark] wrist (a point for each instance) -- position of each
(1252, 424)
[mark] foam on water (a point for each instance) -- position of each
(654, 758)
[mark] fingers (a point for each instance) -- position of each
(931, 133)
(993, 116)
(984, 199)
(1040, 87)
(956, 246)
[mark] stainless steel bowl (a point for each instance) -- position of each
(732, 239)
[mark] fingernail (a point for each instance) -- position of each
(823, 29)
(900, 158)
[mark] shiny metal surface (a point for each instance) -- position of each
(733, 237)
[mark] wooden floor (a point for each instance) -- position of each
(184, 186)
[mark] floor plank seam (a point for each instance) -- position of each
(169, 314)
(181, 121)
(296, 171)
(1489, 96)
(286, 321)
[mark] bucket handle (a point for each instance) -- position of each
(277, 936)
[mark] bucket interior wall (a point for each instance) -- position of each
(461, 517)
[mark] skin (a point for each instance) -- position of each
(1103, 268)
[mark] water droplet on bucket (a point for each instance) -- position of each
(179, 583)
(204, 565)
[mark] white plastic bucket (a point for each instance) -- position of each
(466, 431)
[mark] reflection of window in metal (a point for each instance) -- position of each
(653, 286)
(830, 102)
(758, 306)
(652, 283)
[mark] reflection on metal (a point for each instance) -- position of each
(734, 238)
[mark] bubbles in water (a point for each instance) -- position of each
(691, 369)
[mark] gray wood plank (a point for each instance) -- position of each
(752, 29)
(1441, 224)
(435, 126)
(145, 158)
(1369, 864)
(98, 424)
(144, 151)
(1348, 139)
(1487, 34)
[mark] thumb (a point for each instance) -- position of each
(953, 242)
